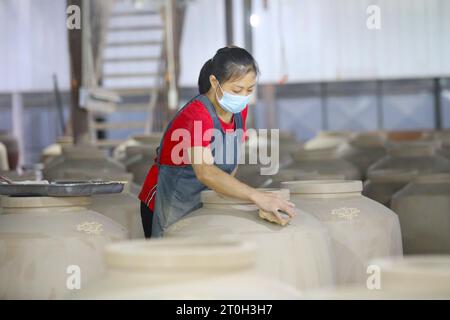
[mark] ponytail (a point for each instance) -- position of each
(203, 79)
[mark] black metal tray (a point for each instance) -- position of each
(62, 188)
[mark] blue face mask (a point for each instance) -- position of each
(231, 102)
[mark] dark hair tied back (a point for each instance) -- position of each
(228, 63)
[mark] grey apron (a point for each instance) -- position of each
(177, 189)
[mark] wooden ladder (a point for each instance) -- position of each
(132, 68)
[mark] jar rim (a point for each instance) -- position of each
(192, 254)
(322, 186)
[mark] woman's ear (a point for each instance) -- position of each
(213, 82)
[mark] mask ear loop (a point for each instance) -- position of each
(218, 83)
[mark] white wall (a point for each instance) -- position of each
(203, 34)
(33, 45)
(327, 40)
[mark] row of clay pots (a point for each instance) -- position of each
(336, 233)
(329, 154)
(44, 240)
(223, 268)
(322, 268)
(414, 180)
(50, 246)
(360, 150)
(135, 156)
(399, 167)
(46, 243)
(411, 179)
(365, 149)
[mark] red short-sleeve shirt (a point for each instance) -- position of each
(193, 119)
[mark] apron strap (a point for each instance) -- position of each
(158, 150)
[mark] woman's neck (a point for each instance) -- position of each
(225, 116)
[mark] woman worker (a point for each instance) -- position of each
(172, 187)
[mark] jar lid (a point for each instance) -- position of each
(437, 177)
(368, 140)
(82, 152)
(153, 138)
(193, 254)
(212, 197)
(391, 175)
(315, 154)
(143, 149)
(414, 149)
(66, 140)
(323, 186)
(330, 133)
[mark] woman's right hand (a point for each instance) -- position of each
(271, 204)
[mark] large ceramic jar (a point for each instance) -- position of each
(381, 185)
(327, 140)
(324, 162)
(250, 174)
(297, 254)
(138, 155)
(88, 159)
(139, 161)
(445, 150)
(12, 148)
(361, 229)
(412, 277)
(257, 154)
(45, 240)
(188, 269)
(123, 208)
(408, 136)
(363, 150)
(286, 144)
(423, 208)
(150, 141)
(54, 150)
(444, 138)
(4, 164)
(422, 157)
(426, 276)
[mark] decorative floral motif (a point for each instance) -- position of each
(91, 228)
(346, 213)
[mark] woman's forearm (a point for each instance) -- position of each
(224, 183)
